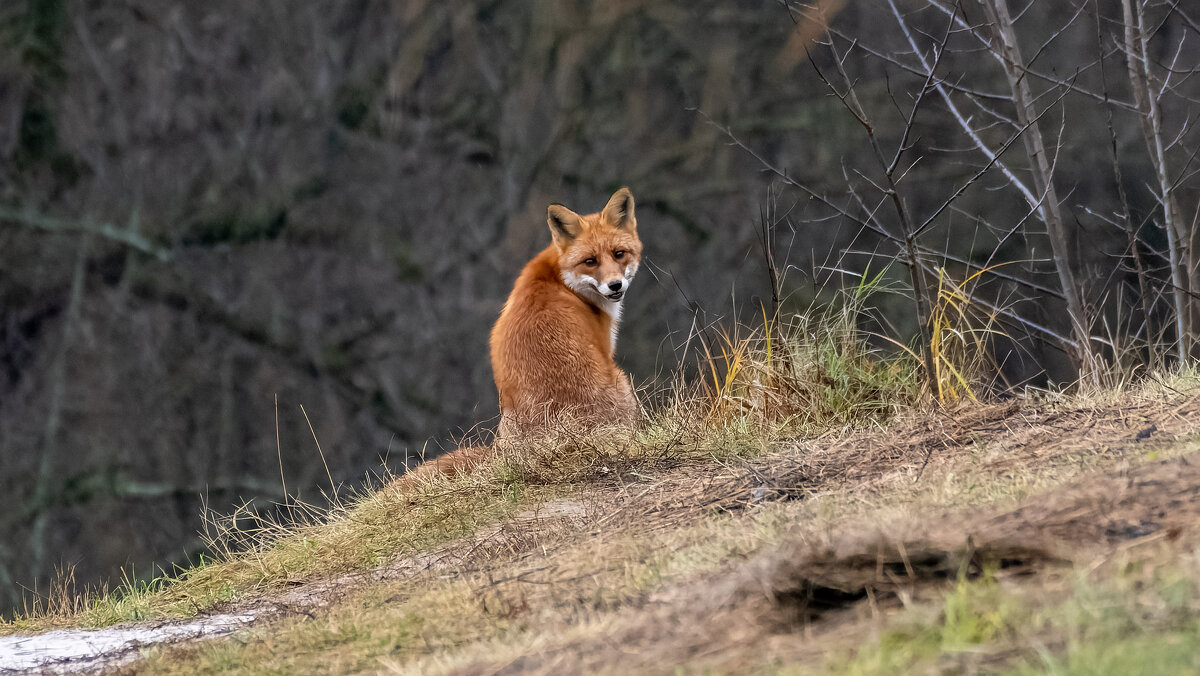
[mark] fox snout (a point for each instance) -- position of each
(611, 287)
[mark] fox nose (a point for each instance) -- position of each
(616, 286)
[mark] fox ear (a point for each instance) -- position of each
(619, 210)
(565, 225)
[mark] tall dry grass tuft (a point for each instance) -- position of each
(799, 374)
(961, 329)
(62, 600)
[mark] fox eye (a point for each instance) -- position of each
(590, 262)
(619, 254)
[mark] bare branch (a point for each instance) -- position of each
(965, 124)
(1004, 43)
(127, 236)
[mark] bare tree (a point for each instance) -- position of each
(1180, 234)
(1151, 83)
(1003, 42)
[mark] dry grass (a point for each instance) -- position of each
(798, 431)
(648, 572)
(254, 553)
(960, 330)
(797, 375)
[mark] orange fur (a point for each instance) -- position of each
(552, 347)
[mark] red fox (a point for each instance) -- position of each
(552, 347)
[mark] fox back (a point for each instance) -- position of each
(552, 348)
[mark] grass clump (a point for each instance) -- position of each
(798, 375)
(961, 326)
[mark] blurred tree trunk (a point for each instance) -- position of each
(1004, 42)
(1179, 235)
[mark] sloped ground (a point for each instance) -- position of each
(793, 559)
(787, 604)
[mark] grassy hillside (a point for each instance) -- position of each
(212, 213)
(749, 528)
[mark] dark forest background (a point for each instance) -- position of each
(205, 206)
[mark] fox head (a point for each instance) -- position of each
(598, 254)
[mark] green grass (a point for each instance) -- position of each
(972, 614)
(412, 626)
(1146, 620)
